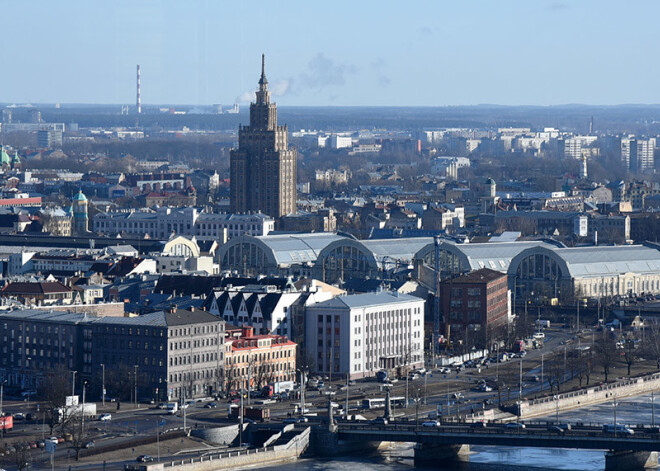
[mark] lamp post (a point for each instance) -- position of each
(2, 391)
(73, 383)
(82, 420)
(135, 367)
(556, 398)
(542, 354)
(103, 383)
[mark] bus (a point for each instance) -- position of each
(379, 403)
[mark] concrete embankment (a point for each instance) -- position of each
(285, 445)
(585, 397)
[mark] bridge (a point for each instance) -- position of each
(587, 438)
(451, 441)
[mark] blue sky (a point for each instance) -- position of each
(418, 53)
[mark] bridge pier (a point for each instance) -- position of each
(437, 456)
(628, 460)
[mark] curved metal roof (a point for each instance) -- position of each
(287, 249)
(598, 261)
(493, 255)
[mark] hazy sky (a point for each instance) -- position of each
(428, 53)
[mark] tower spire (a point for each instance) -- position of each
(263, 81)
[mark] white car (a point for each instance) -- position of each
(105, 417)
(431, 423)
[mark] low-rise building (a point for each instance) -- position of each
(473, 305)
(252, 361)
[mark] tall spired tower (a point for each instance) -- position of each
(263, 168)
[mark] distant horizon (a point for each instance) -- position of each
(34, 104)
(428, 53)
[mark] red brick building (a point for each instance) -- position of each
(475, 302)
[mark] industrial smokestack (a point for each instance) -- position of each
(138, 101)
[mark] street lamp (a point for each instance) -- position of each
(556, 398)
(135, 367)
(73, 383)
(103, 383)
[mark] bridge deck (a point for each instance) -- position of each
(587, 438)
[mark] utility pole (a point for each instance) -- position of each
(520, 383)
(346, 396)
(542, 354)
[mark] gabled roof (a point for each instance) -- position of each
(42, 287)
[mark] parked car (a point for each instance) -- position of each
(211, 405)
(105, 417)
(144, 458)
(515, 425)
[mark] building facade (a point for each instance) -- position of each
(163, 222)
(474, 302)
(252, 361)
(263, 168)
(358, 335)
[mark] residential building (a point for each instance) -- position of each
(252, 360)
(41, 293)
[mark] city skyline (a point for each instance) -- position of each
(367, 54)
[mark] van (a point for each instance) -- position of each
(172, 407)
(618, 428)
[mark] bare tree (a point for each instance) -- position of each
(630, 354)
(79, 435)
(605, 352)
(651, 343)
(53, 391)
(555, 372)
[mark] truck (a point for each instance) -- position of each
(6, 423)
(88, 410)
(277, 388)
(255, 413)
(542, 323)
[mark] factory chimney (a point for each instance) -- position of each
(138, 101)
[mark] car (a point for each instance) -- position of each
(184, 406)
(29, 416)
(41, 443)
(380, 421)
(162, 405)
(480, 424)
(290, 420)
(457, 395)
(19, 416)
(105, 417)
(556, 429)
(144, 458)
(210, 405)
(351, 382)
(431, 423)
(53, 440)
(90, 444)
(444, 370)
(515, 425)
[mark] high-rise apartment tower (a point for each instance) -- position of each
(263, 168)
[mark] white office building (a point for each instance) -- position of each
(358, 335)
